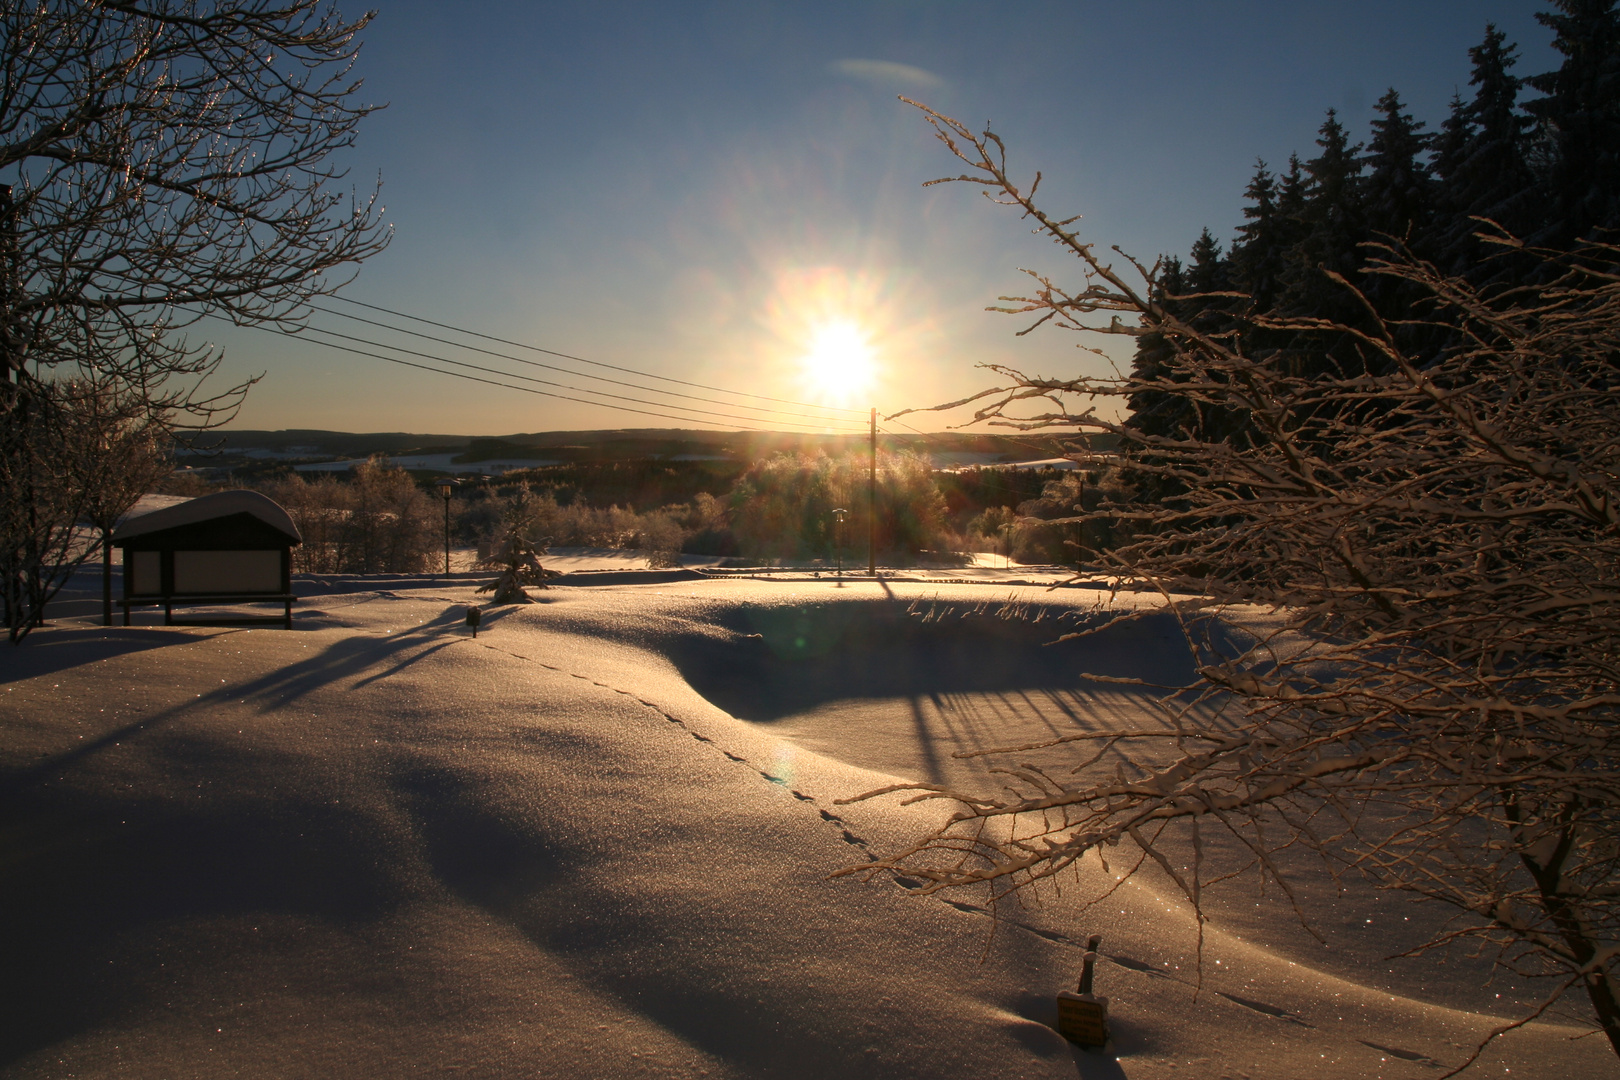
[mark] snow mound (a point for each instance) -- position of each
(597, 841)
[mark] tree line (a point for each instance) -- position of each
(1537, 156)
(377, 519)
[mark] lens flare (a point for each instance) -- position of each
(836, 336)
(839, 365)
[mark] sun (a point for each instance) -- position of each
(839, 366)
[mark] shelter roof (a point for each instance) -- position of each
(219, 504)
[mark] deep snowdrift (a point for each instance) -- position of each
(596, 842)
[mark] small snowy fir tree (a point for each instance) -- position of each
(518, 560)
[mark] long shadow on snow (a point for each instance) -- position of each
(63, 649)
(94, 877)
(341, 660)
(88, 872)
(479, 855)
(528, 879)
(524, 873)
(787, 660)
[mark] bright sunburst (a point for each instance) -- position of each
(839, 364)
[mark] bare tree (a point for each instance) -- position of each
(40, 506)
(116, 451)
(74, 458)
(1433, 698)
(162, 162)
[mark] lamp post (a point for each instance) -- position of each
(838, 515)
(446, 488)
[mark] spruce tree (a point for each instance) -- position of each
(1450, 147)
(1578, 121)
(1480, 159)
(1333, 227)
(1293, 213)
(1397, 195)
(1181, 289)
(1258, 253)
(1155, 412)
(1208, 272)
(1397, 201)
(1291, 199)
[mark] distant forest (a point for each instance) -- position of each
(1535, 158)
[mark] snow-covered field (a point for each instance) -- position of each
(597, 842)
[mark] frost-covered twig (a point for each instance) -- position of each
(1434, 538)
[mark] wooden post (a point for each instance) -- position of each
(106, 577)
(871, 505)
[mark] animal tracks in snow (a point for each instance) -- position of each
(861, 844)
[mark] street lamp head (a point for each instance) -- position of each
(839, 513)
(446, 487)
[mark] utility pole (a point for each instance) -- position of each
(871, 505)
(1080, 548)
(839, 515)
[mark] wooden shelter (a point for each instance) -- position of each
(230, 547)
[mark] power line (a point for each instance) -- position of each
(544, 382)
(581, 374)
(595, 363)
(470, 378)
(530, 378)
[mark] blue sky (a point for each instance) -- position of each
(699, 190)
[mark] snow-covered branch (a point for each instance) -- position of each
(1433, 534)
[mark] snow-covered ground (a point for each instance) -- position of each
(596, 841)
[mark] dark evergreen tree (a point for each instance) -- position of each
(1258, 255)
(1293, 222)
(1183, 291)
(1397, 201)
(1578, 121)
(1450, 147)
(1208, 272)
(1397, 195)
(1155, 412)
(1332, 219)
(1334, 226)
(1480, 159)
(1291, 200)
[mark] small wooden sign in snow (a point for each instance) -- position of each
(1083, 1017)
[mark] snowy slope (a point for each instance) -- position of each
(596, 842)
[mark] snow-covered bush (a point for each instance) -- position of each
(1401, 587)
(783, 506)
(375, 522)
